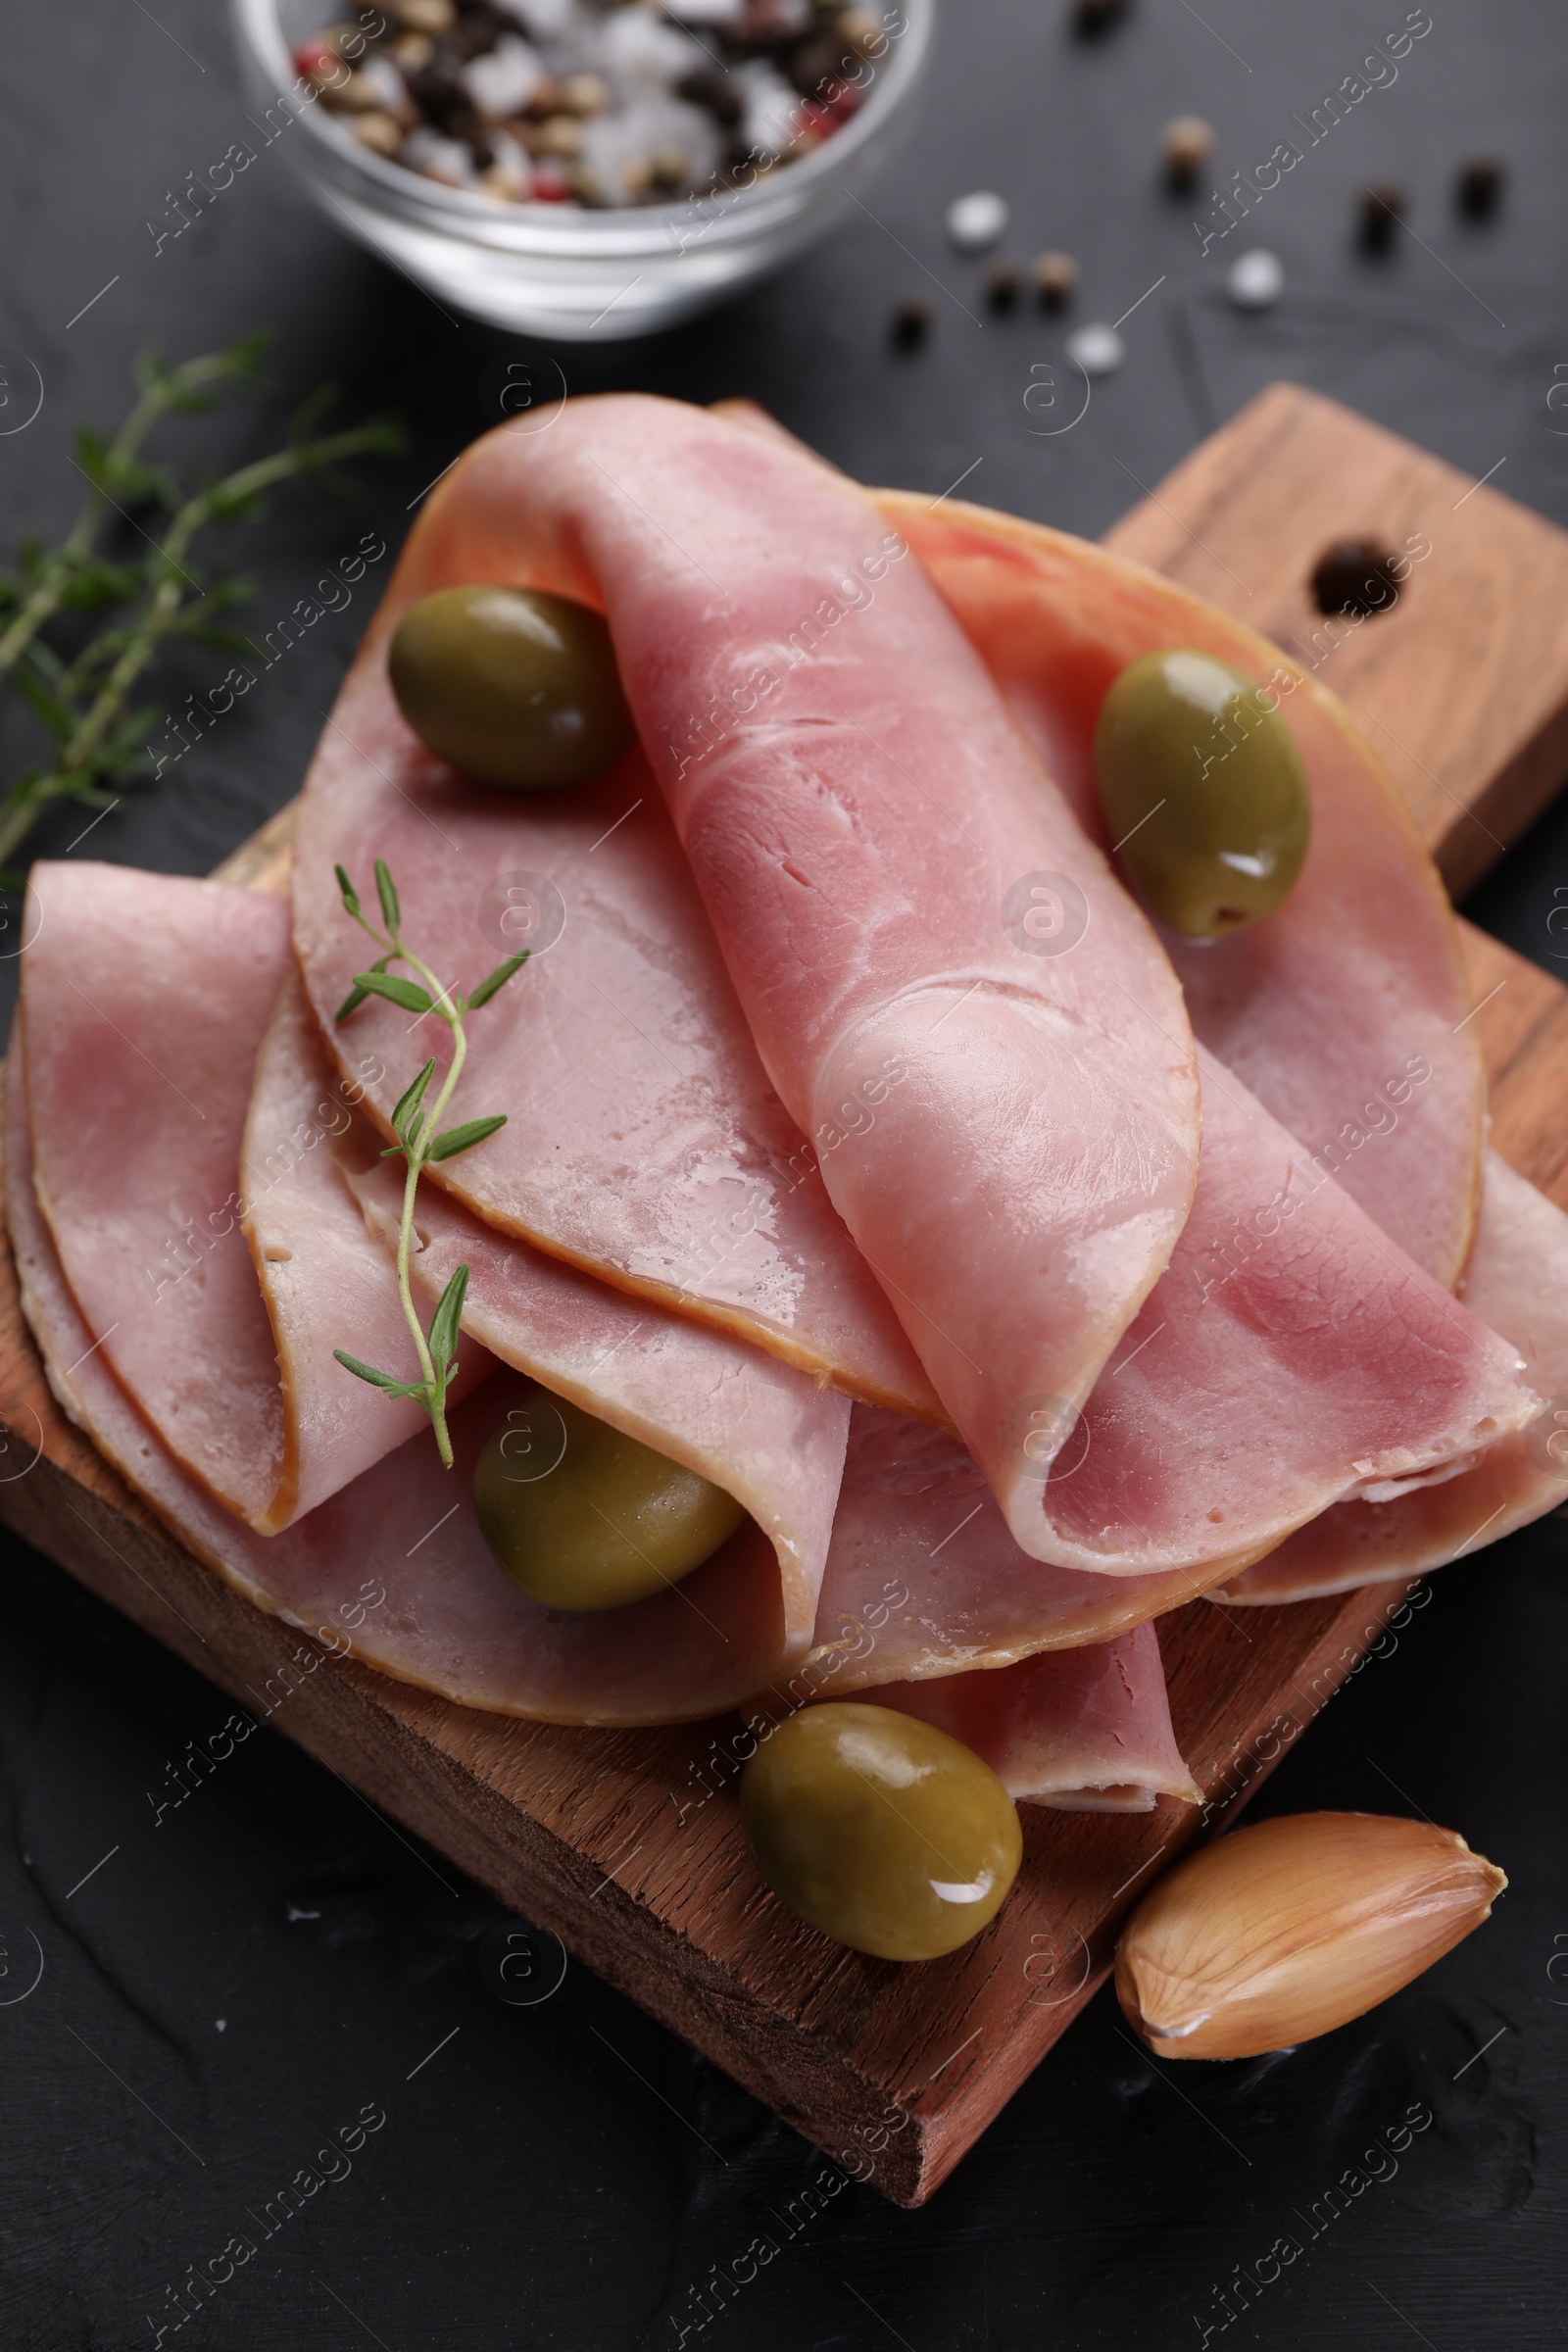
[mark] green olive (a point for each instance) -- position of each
(582, 1517)
(511, 686)
(888, 1835)
(1203, 791)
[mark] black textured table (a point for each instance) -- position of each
(264, 1983)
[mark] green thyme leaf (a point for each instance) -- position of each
(463, 1139)
(445, 1324)
(406, 993)
(387, 892)
(496, 980)
(351, 897)
(356, 995)
(411, 1101)
(378, 1380)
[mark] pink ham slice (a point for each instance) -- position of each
(1517, 1281)
(1289, 1358)
(446, 1617)
(1345, 1011)
(1084, 1731)
(1010, 1137)
(924, 1579)
(325, 1282)
(765, 1432)
(644, 1140)
(145, 998)
(139, 1079)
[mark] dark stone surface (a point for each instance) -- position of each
(236, 1983)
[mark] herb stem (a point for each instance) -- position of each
(420, 1139)
(159, 617)
(44, 599)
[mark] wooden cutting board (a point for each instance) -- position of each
(627, 1845)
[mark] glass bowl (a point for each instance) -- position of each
(565, 271)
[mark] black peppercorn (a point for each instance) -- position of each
(1382, 209)
(1480, 187)
(1001, 285)
(1093, 17)
(911, 322)
(1355, 577)
(479, 28)
(713, 91)
(815, 65)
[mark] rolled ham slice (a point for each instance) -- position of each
(1345, 1011)
(1084, 1731)
(1011, 1136)
(391, 1555)
(1517, 1281)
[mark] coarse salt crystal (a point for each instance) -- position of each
(503, 82)
(1256, 281)
(977, 220)
(446, 160)
(1097, 349)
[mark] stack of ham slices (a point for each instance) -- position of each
(1022, 1280)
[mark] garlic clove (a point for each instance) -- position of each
(1289, 1928)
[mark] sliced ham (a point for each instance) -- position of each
(1010, 1137)
(1345, 1010)
(1289, 1358)
(325, 1282)
(924, 1578)
(144, 1002)
(1517, 1281)
(1085, 1731)
(644, 1140)
(766, 1434)
(390, 1557)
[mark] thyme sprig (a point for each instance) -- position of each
(83, 700)
(422, 1138)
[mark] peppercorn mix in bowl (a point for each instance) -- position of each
(584, 166)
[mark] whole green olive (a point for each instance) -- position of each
(1203, 791)
(582, 1517)
(883, 1831)
(511, 686)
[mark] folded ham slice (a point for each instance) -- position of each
(1345, 1011)
(1084, 1731)
(144, 1003)
(326, 1283)
(768, 1435)
(138, 1080)
(441, 1614)
(644, 1140)
(1011, 1136)
(1290, 1357)
(1517, 1281)
(924, 1578)
(763, 1432)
